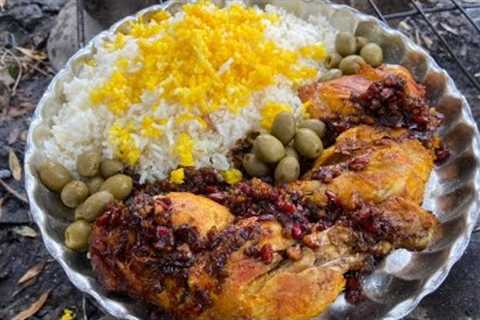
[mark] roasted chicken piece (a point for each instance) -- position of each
(276, 288)
(299, 289)
(144, 249)
(198, 259)
(333, 99)
(384, 168)
(244, 269)
(373, 163)
(240, 272)
(387, 96)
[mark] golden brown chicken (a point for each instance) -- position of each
(190, 256)
(386, 96)
(374, 163)
(333, 99)
(231, 271)
(378, 166)
(208, 250)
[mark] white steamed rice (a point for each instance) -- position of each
(78, 127)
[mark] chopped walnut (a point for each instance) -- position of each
(295, 253)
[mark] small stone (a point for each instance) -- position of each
(28, 14)
(5, 174)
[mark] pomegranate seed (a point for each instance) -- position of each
(115, 218)
(266, 253)
(162, 231)
(103, 220)
(211, 189)
(297, 232)
(287, 207)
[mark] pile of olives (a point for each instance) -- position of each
(102, 181)
(351, 53)
(283, 148)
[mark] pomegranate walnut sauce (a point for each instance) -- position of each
(207, 249)
(138, 240)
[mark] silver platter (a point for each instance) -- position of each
(404, 278)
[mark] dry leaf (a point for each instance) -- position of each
(34, 307)
(35, 55)
(428, 41)
(25, 231)
(15, 166)
(449, 28)
(404, 25)
(16, 194)
(13, 135)
(33, 272)
(23, 287)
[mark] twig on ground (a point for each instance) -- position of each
(35, 66)
(20, 72)
(12, 191)
(84, 307)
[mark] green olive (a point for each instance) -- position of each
(361, 42)
(93, 206)
(287, 170)
(372, 53)
(317, 126)
(255, 167)
(331, 74)
(268, 149)
(110, 167)
(74, 193)
(119, 186)
(88, 163)
(53, 175)
(77, 235)
(308, 144)
(351, 64)
(291, 152)
(333, 60)
(283, 127)
(345, 44)
(94, 184)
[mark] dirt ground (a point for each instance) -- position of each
(28, 273)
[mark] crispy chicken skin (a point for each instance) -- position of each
(332, 99)
(198, 212)
(379, 166)
(279, 290)
(395, 165)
